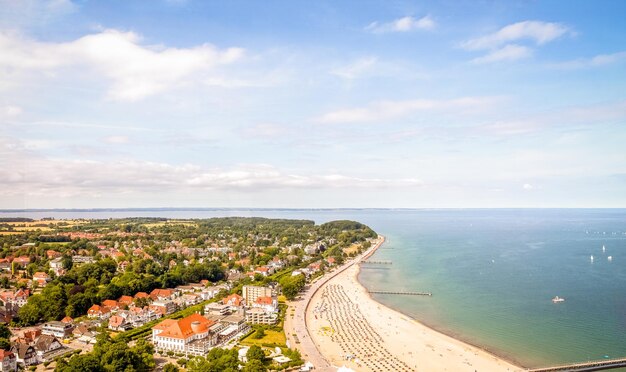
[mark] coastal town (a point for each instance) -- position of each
(150, 293)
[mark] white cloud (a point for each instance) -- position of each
(116, 140)
(10, 111)
(596, 61)
(404, 24)
(68, 177)
(509, 52)
(528, 186)
(135, 71)
(386, 110)
(356, 68)
(537, 31)
(504, 44)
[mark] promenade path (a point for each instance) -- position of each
(297, 325)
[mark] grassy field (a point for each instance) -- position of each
(43, 226)
(352, 249)
(271, 337)
(164, 223)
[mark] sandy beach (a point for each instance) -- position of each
(350, 329)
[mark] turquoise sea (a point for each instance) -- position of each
(492, 273)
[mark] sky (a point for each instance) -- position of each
(312, 104)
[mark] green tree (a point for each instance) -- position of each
(255, 353)
(80, 363)
(169, 367)
(259, 334)
(5, 332)
(5, 344)
(254, 366)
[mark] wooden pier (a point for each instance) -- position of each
(377, 262)
(403, 293)
(596, 365)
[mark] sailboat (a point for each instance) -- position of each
(591, 258)
(603, 249)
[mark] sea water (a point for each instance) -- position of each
(492, 273)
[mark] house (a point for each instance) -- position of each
(233, 300)
(264, 270)
(52, 254)
(190, 335)
(266, 303)
(315, 266)
(5, 263)
(98, 312)
(138, 316)
(79, 260)
(119, 323)
(41, 278)
(84, 334)
(111, 304)
(163, 307)
(29, 337)
(17, 298)
(188, 299)
(8, 361)
(25, 354)
(56, 265)
(141, 295)
(67, 320)
(57, 329)
(162, 294)
(125, 301)
(21, 261)
(47, 345)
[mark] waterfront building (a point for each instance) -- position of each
(252, 292)
(190, 335)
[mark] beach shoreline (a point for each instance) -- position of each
(402, 342)
(449, 334)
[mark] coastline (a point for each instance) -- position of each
(390, 339)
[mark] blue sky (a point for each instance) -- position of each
(312, 104)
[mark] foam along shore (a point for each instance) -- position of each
(351, 329)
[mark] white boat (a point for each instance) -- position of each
(603, 249)
(558, 299)
(591, 258)
(610, 258)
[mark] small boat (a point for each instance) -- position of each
(603, 249)
(557, 299)
(591, 258)
(610, 258)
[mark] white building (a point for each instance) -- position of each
(259, 316)
(252, 292)
(189, 336)
(57, 329)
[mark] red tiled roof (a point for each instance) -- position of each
(184, 328)
(264, 300)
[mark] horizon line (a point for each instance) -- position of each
(130, 209)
